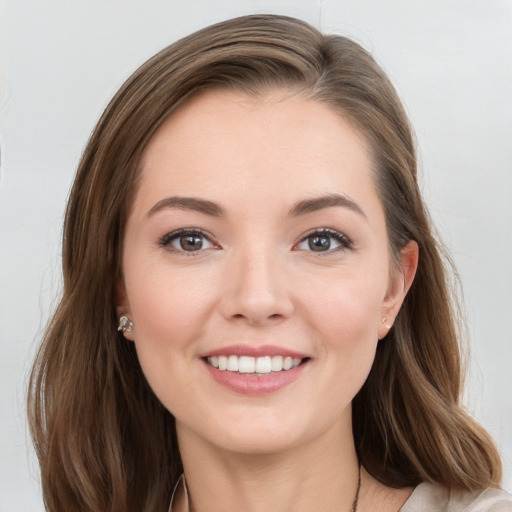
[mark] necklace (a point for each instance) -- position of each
(356, 498)
(184, 484)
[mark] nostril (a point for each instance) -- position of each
(274, 316)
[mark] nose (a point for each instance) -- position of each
(256, 290)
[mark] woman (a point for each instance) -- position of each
(255, 313)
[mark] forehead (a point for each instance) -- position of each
(277, 145)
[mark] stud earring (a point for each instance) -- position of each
(125, 324)
(383, 322)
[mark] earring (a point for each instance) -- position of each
(383, 322)
(125, 324)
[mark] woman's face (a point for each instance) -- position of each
(256, 241)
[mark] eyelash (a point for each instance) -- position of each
(345, 243)
(167, 240)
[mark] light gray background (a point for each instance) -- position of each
(60, 62)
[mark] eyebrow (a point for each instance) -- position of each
(188, 203)
(213, 209)
(327, 201)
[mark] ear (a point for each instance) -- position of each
(123, 308)
(399, 285)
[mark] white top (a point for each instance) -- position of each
(434, 498)
(426, 498)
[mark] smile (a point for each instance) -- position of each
(255, 370)
(255, 365)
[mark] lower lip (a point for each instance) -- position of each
(256, 385)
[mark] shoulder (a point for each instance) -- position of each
(434, 498)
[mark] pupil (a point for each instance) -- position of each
(191, 242)
(319, 243)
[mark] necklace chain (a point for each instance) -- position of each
(356, 498)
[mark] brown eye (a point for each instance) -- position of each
(186, 240)
(190, 242)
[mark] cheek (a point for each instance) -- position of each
(347, 310)
(341, 317)
(351, 336)
(168, 308)
(345, 315)
(169, 311)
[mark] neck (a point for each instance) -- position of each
(318, 475)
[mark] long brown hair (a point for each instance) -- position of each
(104, 441)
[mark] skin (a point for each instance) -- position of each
(255, 281)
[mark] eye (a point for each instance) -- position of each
(324, 240)
(187, 240)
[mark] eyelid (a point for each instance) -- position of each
(165, 241)
(345, 243)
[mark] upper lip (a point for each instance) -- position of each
(254, 351)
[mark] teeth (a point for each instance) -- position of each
(245, 364)
(259, 365)
(263, 364)
(232, 364)
(277, 363)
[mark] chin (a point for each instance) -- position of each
(261, 432)
(253, 444)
